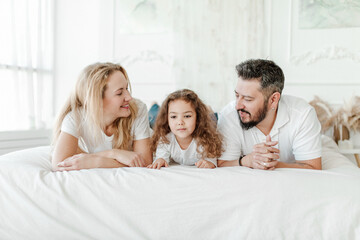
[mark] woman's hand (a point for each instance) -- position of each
(204, 164)
(158, 164)
(79, 161)
(131, 159)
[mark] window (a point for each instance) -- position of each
(26, 64)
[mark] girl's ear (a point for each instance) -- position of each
(274, 100)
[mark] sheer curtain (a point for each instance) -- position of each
(26, 64)
(210, 38)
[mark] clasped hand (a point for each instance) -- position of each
(264, 155)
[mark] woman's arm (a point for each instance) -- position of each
(142, 147)
(140, 157)
(71, 157)
(65, 147)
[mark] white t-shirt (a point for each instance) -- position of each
(139, 130)
(296, 128)
(173, 151)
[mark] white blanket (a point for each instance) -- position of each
(178, 202)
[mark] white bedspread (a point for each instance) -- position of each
(178, 202)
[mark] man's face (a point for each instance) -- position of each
(250, 103)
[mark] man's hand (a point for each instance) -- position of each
(264, 156)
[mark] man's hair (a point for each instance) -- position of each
(270, 75)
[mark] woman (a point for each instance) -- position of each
(101, 125)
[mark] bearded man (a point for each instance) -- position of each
(264, 129)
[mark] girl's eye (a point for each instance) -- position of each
(172, 117)
(188, 116)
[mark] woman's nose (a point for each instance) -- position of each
(128, 96)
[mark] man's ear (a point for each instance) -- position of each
(274, 100)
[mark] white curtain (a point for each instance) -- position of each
(210, 38)
(26, 64)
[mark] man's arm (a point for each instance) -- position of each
(307, 164)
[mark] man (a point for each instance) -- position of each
(266, 130)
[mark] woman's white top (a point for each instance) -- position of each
(172, 151)
(139, 130)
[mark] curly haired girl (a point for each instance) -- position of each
(185, 132)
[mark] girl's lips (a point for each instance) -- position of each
(181, 129)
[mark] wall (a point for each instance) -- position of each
(323, 62)
(77, 42)
(85, 34)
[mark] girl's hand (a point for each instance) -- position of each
(79, 161)
(158, 164)
(204, 164)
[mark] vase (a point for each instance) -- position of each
(355, 138)
(341, 132)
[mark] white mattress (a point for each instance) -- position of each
(179, 202)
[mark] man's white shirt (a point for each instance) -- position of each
(296, 128)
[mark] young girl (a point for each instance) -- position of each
(101, 125)
(185, 132)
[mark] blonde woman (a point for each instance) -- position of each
(101, 125)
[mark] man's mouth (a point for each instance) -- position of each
(243, 113)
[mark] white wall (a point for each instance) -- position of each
(76, 43)
(84, 34)
(334, 77)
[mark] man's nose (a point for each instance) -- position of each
(239, 104)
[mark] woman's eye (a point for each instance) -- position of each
(119, 94)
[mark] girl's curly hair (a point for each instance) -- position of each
(205, 133)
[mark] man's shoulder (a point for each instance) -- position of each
(229, 109)
(228, 117)
(296, 104)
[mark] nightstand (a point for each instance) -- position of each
(355, 151)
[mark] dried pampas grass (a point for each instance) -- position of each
(324, 113)
(349, 114)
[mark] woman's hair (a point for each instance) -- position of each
(205, 132)
(86, 101)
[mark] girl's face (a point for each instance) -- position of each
(116, 97)
(182, 119)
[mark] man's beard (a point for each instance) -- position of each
(258, 117)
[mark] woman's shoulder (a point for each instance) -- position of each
(141, 106)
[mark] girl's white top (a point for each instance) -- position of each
(173, 151)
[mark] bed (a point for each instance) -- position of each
(179, 202)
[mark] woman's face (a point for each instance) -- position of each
(116, 97)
